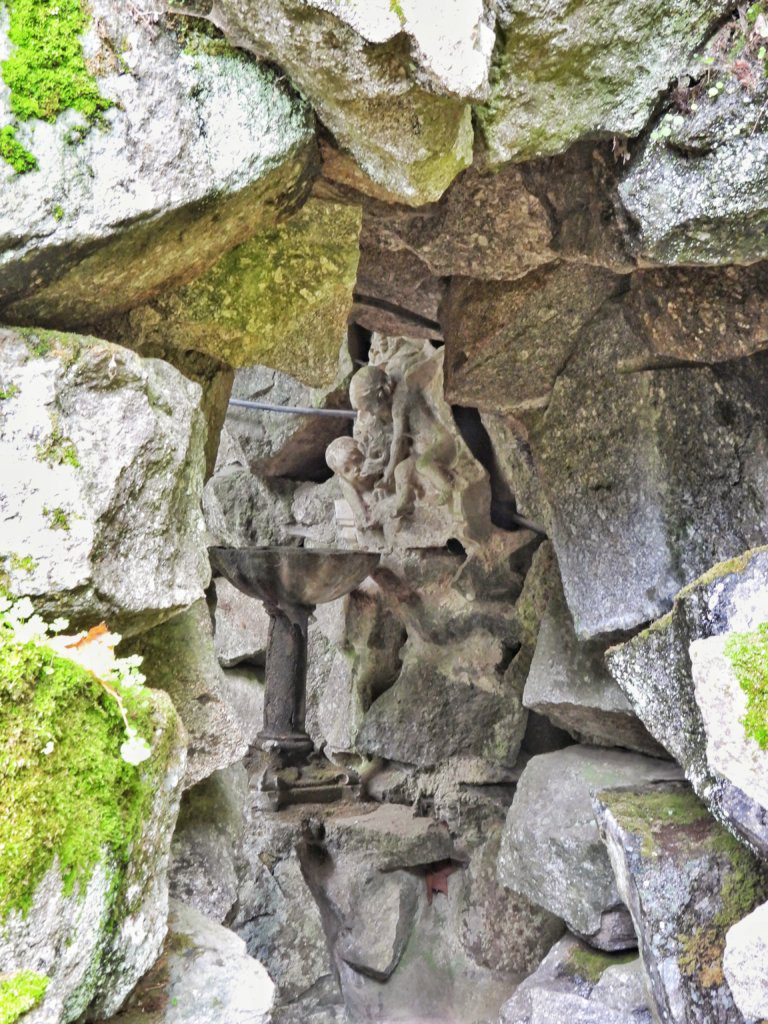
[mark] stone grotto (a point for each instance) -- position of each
(383, 512)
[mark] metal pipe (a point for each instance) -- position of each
(295, 410)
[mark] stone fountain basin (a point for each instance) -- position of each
(293, 576)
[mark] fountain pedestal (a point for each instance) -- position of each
(291, 582)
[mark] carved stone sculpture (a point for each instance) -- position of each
(406, 472)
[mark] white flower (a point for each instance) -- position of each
(48, 748)
(135, 750)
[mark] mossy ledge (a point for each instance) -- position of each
(19, 994)
(68, 795)
(748, 654)
(590, 964)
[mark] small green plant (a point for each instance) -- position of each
(20, 993)
(748, 653)
(8, 391)
(58, 212)
(58, 449)
(22, 563)
(58, 518)
(12, 151)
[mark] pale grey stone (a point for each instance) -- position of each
(654, 670)
(276, 913)
(710, 174)
(241, 626)
(281, 444)
(103, 464)
(205, 976)
(179, 658)
(243, 690)
(575, 985)
(685, 880)
(207, 843)
(598, 69)
(196, 153)
(551, 850)
(570, 684)
(651, 477)
(744, 963)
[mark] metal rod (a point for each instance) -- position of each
(295, 410)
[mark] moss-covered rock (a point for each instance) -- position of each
(686, 881)
(103, 456)
(151, 160)
(596, 68)
(685, 691)
(393, 85)
(85, 836)
(281, 299)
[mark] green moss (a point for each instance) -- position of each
(589, 964)
(23, 563)
(12, 151)
(19, 994)
(46, 71)
(67, 793)
(198, 35)
(8, 391)
(58, 518)
(58, 212)
(57, 449)
(748, 653)
(742, 888)
(648, 814)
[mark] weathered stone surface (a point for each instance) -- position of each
(576, 985)
(458, 693)
(276, 913)
(357, 872)
(241, 626)
(570, 684)
(280, 299)
(651, 477)
(698, 192)
(204, 976)
(506, 342)
(654, 670)
(500, 929)
(686, 881)
(283, 445)
(243, 689)
(551, 850)
(391, 87)
(103, 470)
(207, 842)
(94, 933)
(746, 954)
(354, 656)
(579, 188)
(513, 461)
(406, 472)
(597, 70)
(239, 508)
(395, 292)
(723, 705)
(436, 977)
(486, 226)
(702, 315)
(197, 152)
(179, 657)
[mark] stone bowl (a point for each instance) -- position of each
(293, 576)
